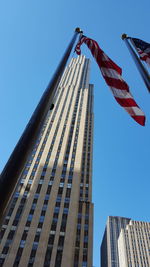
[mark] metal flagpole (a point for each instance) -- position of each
(13, 167)
(141, 68)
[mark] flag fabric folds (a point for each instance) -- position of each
(112, 75)
(143, 49)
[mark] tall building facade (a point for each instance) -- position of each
(49, 218)
(109, 247)
(134, 245)
(126, 243)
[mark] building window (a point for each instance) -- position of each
(45, 201)
(36, 196)
(15, 222)
(46, 197)
(1, 261)
(24, 236)
(54, 224)
(18, 257)
(5, 249)
(41, 218)
(65, 211)
(40, 224)
(44, 207)
(76, 258)
(51, 239)
(30, 216)
(61, 241)
(66, 205)
(60, 190)
(34, 201)
(48, 257)
(2, 232)
(11, 235)
(68, 192)
(49, 189)
(37, 237)
(56, 210)
(35, 245)
(39, 188)
(58, 257)
(22, 243)
(31, 211)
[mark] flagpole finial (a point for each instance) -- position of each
(124, 36)
(78, 30)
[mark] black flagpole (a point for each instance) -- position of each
(142, 70)
(13, 167)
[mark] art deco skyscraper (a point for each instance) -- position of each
(125, 243)
(49, 219)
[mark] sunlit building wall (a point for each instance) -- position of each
(49, 219)
(126, 243)
(134, 245)
(109, 247)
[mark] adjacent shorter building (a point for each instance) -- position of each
(109, 248)
(134, 245)
(126, 243)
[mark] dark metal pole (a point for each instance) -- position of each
(142, 70)
(13, 167)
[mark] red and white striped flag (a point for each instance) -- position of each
(112, 75)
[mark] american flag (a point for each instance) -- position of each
(143, 49)
(112, 75)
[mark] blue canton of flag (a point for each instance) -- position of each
(143, 49)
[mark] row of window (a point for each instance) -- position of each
(86, 160)
(24, 174)
(29, 219)
(60, 192)
(55, 216)
(68, 190)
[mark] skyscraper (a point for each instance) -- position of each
(109, 247)
(49, 218)
(125, 243)
(134, 244)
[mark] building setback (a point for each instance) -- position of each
(126, 243)
(49, 218)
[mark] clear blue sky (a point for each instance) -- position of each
(34, 35)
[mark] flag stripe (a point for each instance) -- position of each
(112, 74)
(119, 84)
(134, 111)
(126, 102)
(120, 93)
(139, 119)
